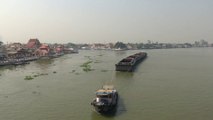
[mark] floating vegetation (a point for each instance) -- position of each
(54, 72)
(35, 76)
(89, 57)
(35, 92)
(72, 71)
(104, 70)
(39, 74)
(28, 78)
(77, 73)
(44, 74)
(98, 61)
(86, 66)
(87, 69)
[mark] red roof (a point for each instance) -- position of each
(32, 43)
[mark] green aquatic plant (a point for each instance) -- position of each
(72, 71)
(98, 61)
(43, 74)
(89, 57)
(104, 70)
(77, 73)
(54, 72)
(35, 76)
(87, 69)
(28, 78)
(39, 74)
(86, 66)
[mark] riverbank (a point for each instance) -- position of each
(26, 60)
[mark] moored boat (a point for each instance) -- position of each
(45, 57)
(31, 58)
(4, 63)
(129, 63)
(20, 62)
(106, 99)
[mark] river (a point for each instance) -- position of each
(171, 84)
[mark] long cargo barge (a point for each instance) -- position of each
(129, 63)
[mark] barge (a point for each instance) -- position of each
(106, 99)
(129, 63)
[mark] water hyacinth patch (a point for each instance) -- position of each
(86, 66)
(73, 71)
(98, 61)
(28, 78)
(104, 70)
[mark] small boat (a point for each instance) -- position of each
(106, 99)
(128, 64)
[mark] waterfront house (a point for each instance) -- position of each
(43, 50)
(109, 46)
(98, 46)
(69, 50)
(15, 50)
(59, 49)
(33, 44)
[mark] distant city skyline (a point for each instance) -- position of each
(104, 21)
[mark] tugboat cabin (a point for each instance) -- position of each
(104, 96)
(106, 99)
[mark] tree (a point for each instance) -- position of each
(120, 45)
(1, 43)
(72, 45)
(140, 45)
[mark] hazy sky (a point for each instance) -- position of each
(88, 21)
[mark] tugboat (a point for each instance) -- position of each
(129, 63)
(106, 99)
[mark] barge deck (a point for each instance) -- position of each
(129, 63)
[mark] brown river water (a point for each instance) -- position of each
(171, 84)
